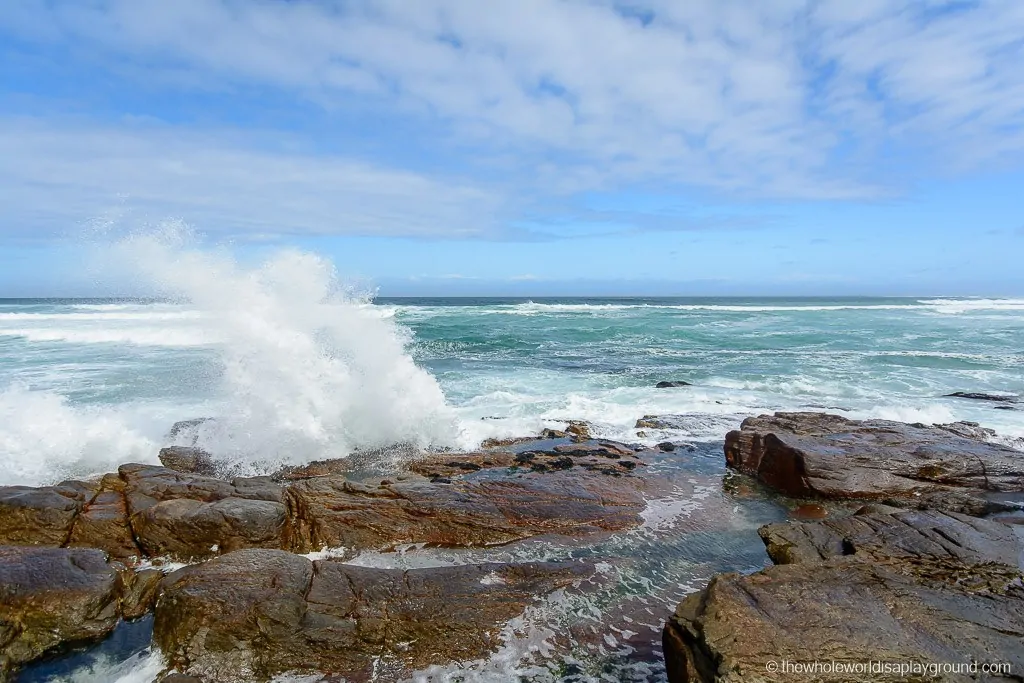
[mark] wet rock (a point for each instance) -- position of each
(553, 434)
(672, 384)
(53, 597)
(578, 430)
(140, 591)
(817, 454)
(189, 516)
(666, 446)
(978, 396)
(468, 511)
(503, 443)
(44, 515)
(843, 612)
(103, 522)
(970, 430)
(888, 534)
(190, 529)
(882, 585)
(187, 459)
(288, 614)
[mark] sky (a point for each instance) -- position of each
(525, 147)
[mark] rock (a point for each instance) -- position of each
(288, 614)
(103, 522)
(41, 516)
(847, 613)
(978, 396)
(189, 516)
(578, 430)
(187, 459)
(504, 443)
(882, 535)
(666, 446)
(672, 385)
(141, 589)
(190, 529)
(553, 434)
(828, 456)
(971, 430)
(896, 586)
(53, 597)
(472, 511)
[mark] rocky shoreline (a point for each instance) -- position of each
(928, 567)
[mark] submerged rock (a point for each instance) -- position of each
(978, 396)
(899, 586)
(817, 454)
(253, 614)
(53, 597)
(672, 384)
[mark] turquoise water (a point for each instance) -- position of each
(87, 384)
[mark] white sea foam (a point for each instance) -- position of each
(45, 439)
(309, 370)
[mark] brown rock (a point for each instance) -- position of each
(187, 459)
(103, 522)
(141, 589)
(816, 454)
(51, 597)
(257, 613)
(810, 511)
(190, 516)
(578, 430)
(334, 512)
(881, 585)
(41, 516)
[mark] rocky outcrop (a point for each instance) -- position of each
(978, 396)
(187, 459)
(333, 511)
(253, 614)
(41, 516)
(828, 456)
(191, 517)
(672, 384)
(890, 586)
(51, 597)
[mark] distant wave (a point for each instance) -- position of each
(942, 306)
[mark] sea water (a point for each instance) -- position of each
(293, 366)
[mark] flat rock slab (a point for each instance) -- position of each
(335, 512)
(50, 597)
(883, 585)
(254, 614)
(828, 456)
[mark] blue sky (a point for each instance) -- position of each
(526, 146)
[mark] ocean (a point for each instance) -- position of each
(88, 384)
(294, 367)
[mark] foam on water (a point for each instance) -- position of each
(309, 369)
(44, 439)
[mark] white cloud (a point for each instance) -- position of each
(54, 177)
(784, 98)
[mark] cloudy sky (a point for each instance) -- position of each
(527, 146)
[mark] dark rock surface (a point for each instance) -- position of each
(672, 384)
(978, 396)
(256, 613)
(52, 597)
(883, 585)
(827, 456)
(187, 459)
